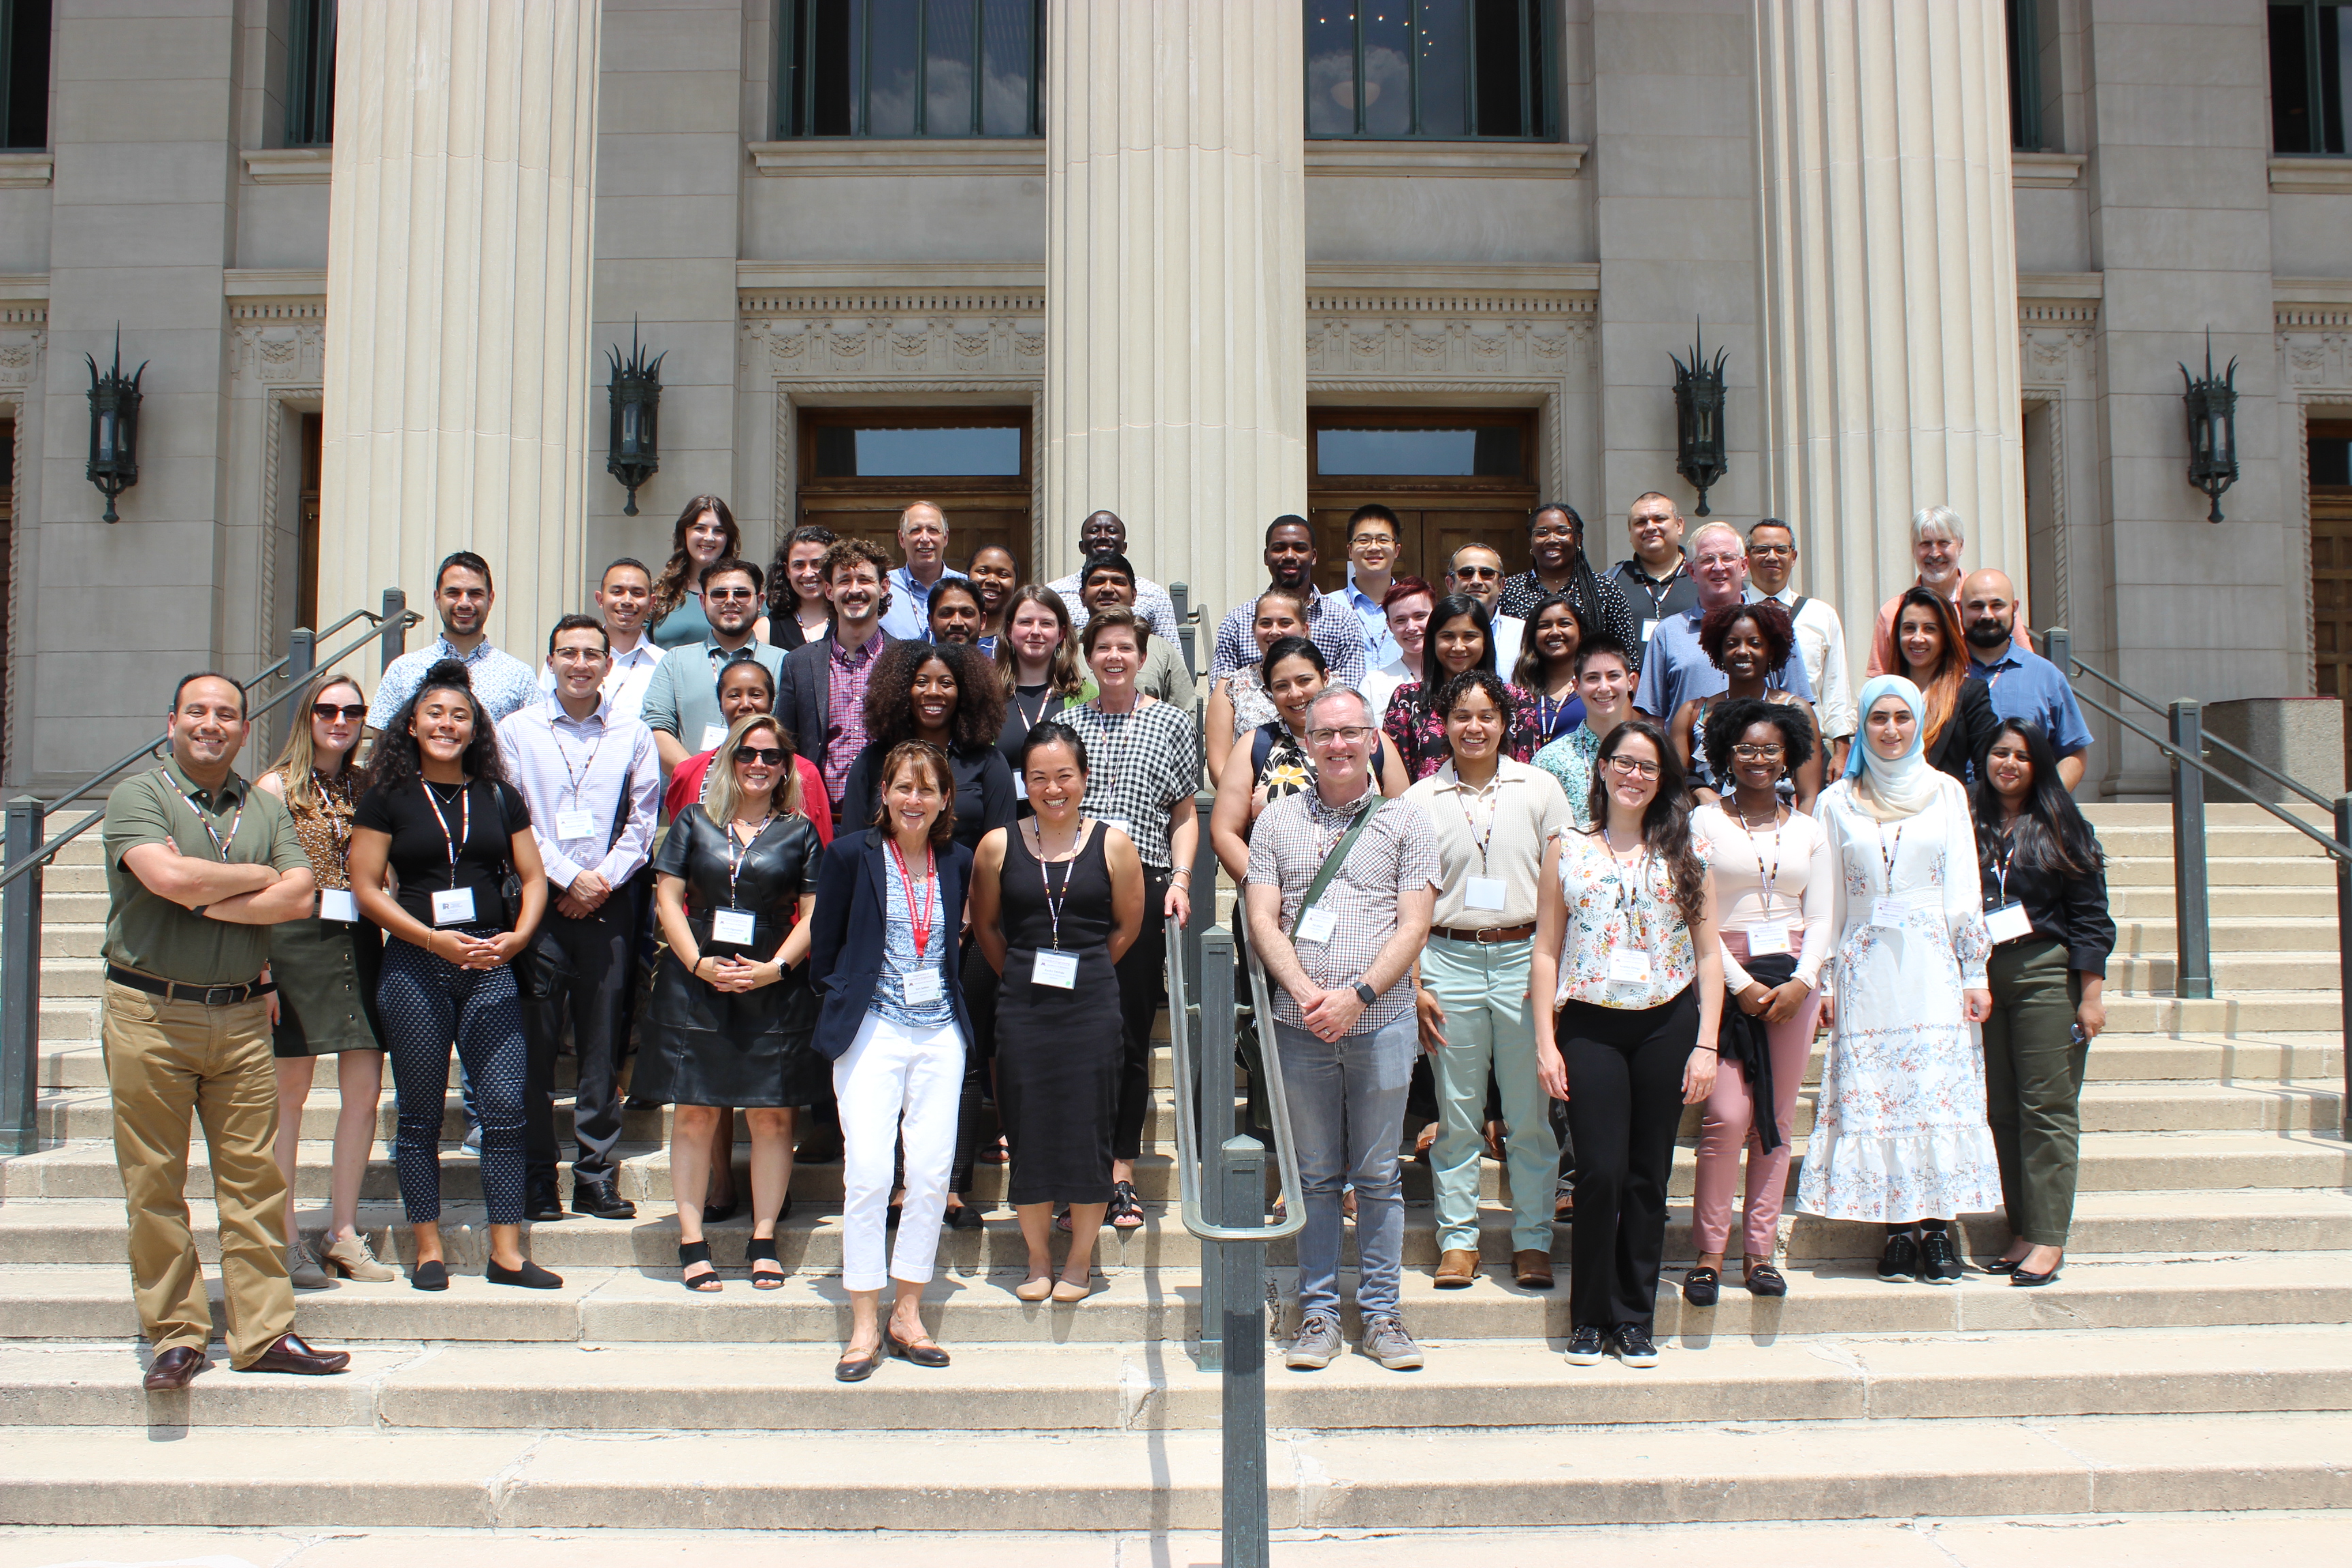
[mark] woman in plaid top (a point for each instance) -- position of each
(1146, 766)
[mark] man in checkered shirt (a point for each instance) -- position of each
(1344, 1019)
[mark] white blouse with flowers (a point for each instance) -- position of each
(1621, 903)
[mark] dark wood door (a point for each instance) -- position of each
(1454, 476)
(2331, 566)
(8, 539)
(855, 475)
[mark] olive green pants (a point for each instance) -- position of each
(2033, 1086)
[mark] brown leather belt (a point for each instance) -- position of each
(1490, 935)
(178, 991)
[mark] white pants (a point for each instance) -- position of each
(892, 1070)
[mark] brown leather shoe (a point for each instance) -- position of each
(1457, 1267)
(174, 1368)
(1532, 1269)
(288, 1353)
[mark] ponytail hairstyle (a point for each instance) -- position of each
(398, 761)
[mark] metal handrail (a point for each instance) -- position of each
(2251, 761)
(1184, 1065)
(2342, 851)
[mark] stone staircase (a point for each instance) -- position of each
(2192, 1358)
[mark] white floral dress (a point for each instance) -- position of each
(1900, 1134)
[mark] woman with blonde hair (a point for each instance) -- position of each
(705, 532)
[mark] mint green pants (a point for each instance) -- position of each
(1489, 1025)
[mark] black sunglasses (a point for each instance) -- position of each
(330, 713)
(771, 755)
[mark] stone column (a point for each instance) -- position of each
(1176, 282)
(1890, 288)
(459, 376)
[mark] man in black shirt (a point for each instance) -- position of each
(1653, 579)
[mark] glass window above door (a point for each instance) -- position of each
(847, 451)
(1476, 451)
(1451, 70)
(906, 68)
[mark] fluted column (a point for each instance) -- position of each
(458, 375)
(1176, 281)
(1890, 287)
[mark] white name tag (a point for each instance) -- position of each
(1649, 630)
(1059, 970)
(2009, 922)
(1119, 823)
(1889, 912)
(338, 904)
(574, 824)
(923, 985)
(453, 907)
(1317, 925)
(1772, 936)
(735, 926)
(1628, 966)
(1020, 786)
(1484, 894)
(711, 735)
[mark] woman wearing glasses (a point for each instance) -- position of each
(1775, 878)
(1628, 983)
(326, 969)
(732, 1012)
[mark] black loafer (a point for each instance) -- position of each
(1997, 1266)
(1766, 1280)
(600, 1197)
(432, 1276)
(1701, 1286)
(541, 1201)
(962, 1216)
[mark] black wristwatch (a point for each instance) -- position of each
(1366, 995)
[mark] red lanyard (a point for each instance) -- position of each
(921, 924)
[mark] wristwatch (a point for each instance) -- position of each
(1366, 995)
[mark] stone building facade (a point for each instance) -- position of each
(1952, 251)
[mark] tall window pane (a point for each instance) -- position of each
(1008, 52)
(1396, 69)
(1386, 29)
(1442, 62)
(24, 73)
(310, 74)
(2335, 46)
(907, 68)
(948, 41)
(892, 66)
(1330, 67)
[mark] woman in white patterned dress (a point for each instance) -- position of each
(1900, 1136)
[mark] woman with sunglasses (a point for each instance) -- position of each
(1461, 638)
(731, 1013)
(1547, 667)
(325, 970)
(705, 532)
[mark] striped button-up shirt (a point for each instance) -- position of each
(583, 777)
(845, 711)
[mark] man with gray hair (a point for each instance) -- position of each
(1937, 536)
(1340, 890)
(1678, 667)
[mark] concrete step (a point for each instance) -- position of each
(2275, 933)
(2279, 868)
(535, 1480)
(2234, 973)
(2225, 840)
(2235, 1016)
(2152, 901)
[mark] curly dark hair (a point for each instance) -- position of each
(979, 714)
(1666, 826)
(398, 763)
(1772, 623)
(1485, 680)
(1733, 717)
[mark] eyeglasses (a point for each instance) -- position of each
(1372, 539)
(1633, 767)
(771, 755)
(725, 596)
(330, 713)
(1480, 573)
(1771, 550)
(1747, 753)
(1552, 532)
(1351, 734)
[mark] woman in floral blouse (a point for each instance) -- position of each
(1628, 974)
(1459, 638)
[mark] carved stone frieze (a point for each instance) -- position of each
(1509, 335)
(921, 334)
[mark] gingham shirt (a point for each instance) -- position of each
(846, 710)
(1397, 854)
(1138, 765)
(1151, 604)
(503, 682)
(1330, 621)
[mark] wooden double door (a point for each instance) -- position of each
(855, 476)
(1454, 476)
(2331, 578)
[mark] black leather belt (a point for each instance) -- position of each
(173, 990)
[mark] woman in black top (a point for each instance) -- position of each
(1930, 652)
(732, 1012)
(1037, 663)
(2045, 895)
(440, 812)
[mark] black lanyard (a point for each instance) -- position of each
(1052, 903)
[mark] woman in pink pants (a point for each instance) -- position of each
(1774, 875)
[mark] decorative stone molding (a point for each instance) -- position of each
(2310, 176)
(841, 156)
(26, 171)
(2045, 171)
(290, 165)
(278, 342)
(1446, 159)
(20, 351)
(1351, 334)
(2314, 344)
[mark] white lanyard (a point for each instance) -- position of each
(220, 845)
(1492, 799)
(1770, 879)
(464, 822)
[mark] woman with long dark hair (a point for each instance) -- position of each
(1546, 669)
(1461, 638)
(1957, 719)
(705, 532)
(1272, 759)
(439, 812)
(1627, 976)
(2046, 898)
(799, 610)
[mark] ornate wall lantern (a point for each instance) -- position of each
(633, 448)
(113, 426)
(1699, 420)
(2212, 428)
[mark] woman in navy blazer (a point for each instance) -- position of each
(884, 954)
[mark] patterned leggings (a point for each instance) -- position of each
(426, 1001)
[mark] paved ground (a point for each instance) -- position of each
(2140, 1541)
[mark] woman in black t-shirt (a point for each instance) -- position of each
(439, 812)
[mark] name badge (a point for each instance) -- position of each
(1059, 970)
(574, 824)
(712, 735)
(1628, 966)
(338, 904)
(1888, 912)
(1119, 823)
(1317, 925)
(454, 907)
(2009, 922)
(1772, 936)
(1483, 893)
(1649, 629)
(923, 985)
(733, 926)
(1020, 786)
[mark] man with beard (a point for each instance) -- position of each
(2020, 682)
(1103, 531)
(821, 696)
(462, 596)
(1109, 579)
(681, 703)
(1330, 622)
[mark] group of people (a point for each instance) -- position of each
(853, 847)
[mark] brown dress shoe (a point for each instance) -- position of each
(1532, 1269)
(1457, 1267)
(174, 1368)
(288, 1353)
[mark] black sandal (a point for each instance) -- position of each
(762, 1249)
(1126, 1208)
(1763, 1279)
(691, 1253)
(1701, 1286)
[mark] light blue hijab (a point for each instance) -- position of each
(1906, 785)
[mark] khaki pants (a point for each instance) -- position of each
(164, 1061)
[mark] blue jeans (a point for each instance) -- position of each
(1347, 1115)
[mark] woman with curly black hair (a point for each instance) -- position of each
(1750, 643)
(949, 695)
(439, 812)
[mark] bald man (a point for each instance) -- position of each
(2022, 683)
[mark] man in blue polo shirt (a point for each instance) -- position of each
(2020, 682)
(1676, 668)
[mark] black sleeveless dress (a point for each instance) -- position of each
(1058, 1052)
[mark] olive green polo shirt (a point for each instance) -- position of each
(148, 932)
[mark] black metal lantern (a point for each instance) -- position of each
(2212, 428)
(633, 448)
(1698, 418)
(113, 426)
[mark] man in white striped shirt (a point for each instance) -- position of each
(1820, 636)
